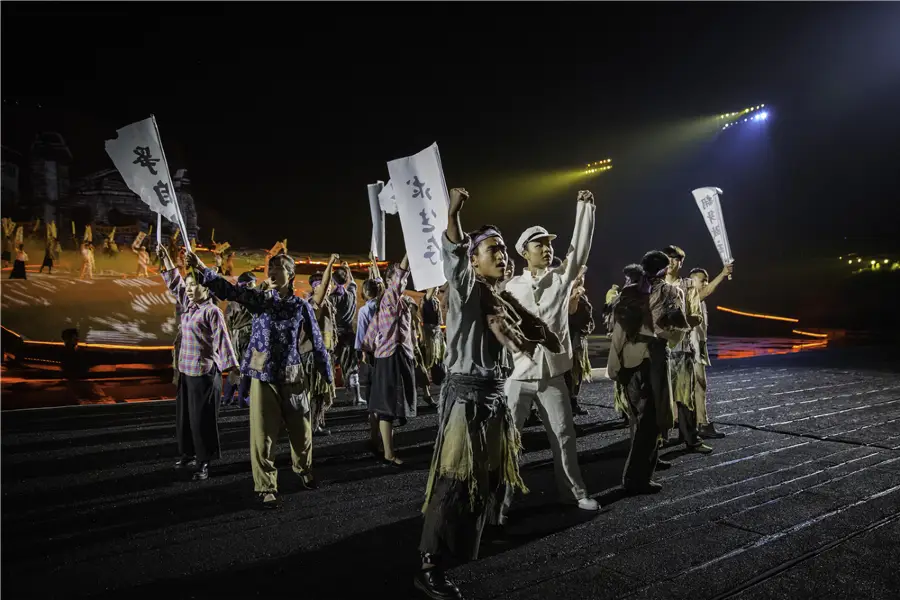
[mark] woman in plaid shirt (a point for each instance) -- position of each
(205, 353)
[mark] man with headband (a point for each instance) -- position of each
(475, 454)
(540, 379)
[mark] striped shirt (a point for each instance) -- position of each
(204, 338)
(392, 325)
(363, 318)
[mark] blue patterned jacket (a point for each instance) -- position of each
(285, 344)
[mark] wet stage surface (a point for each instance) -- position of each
(800, 500)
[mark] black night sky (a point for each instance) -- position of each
(283, 112)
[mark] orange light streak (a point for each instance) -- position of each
(809, 333)
(757, 316)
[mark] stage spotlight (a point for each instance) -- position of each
(599, 166)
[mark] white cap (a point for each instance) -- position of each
(529, 235)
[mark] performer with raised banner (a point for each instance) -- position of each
(206, 353)
(285, 347)
(475, 454)
(708, 201)
(540, 378)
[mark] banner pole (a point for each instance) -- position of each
(174, 195)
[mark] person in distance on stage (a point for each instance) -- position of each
(285, 347)
(476, 450)
(705, 287)
(541, 379)
(205, 354)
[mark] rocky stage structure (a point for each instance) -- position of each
(39, 185)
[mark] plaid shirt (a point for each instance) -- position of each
(204, 338)
(392, 325)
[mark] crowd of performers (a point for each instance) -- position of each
(512, 345)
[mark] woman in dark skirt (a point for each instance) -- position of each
(390, 338)
(205, 353)
(18, 270)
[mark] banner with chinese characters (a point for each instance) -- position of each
(138, 155)
(707, 199)
(374, 189)
(422, 202)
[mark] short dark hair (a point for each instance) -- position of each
(674, 251)
(316, 278)
(340, 274)
(246, 277)
(699, 270)
(654, 261)
(371, 288)
(283, 260)
(633, 271)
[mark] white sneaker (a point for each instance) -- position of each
(588, 504)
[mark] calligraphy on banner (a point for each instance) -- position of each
(421, 198)
(707, 199)
(138, 155)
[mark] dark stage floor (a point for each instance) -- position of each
(800, 501)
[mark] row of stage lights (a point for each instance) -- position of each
(745, 115)
(599, 166)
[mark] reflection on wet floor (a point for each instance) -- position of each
(726, 348)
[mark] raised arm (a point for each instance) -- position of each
(322, 290)
(374, 273)
(314, 336)
(712, 285)
(255, 300)
(583, 236)
(455, 248)
(458, 197)
(172, 277)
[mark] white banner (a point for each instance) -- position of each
(387, 199)
(422, 202)
(136, 244)
(138, 155)
(707, 199)
(377, 219)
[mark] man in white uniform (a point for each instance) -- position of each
(540, 379)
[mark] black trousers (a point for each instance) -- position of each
(646, 388)
(687, 425)
(196, 419)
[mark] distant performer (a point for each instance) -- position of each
(18, 270)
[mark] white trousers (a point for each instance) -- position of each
(552, 399)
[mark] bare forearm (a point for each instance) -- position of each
(404, 264)
(454, 228)
(711, 287)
